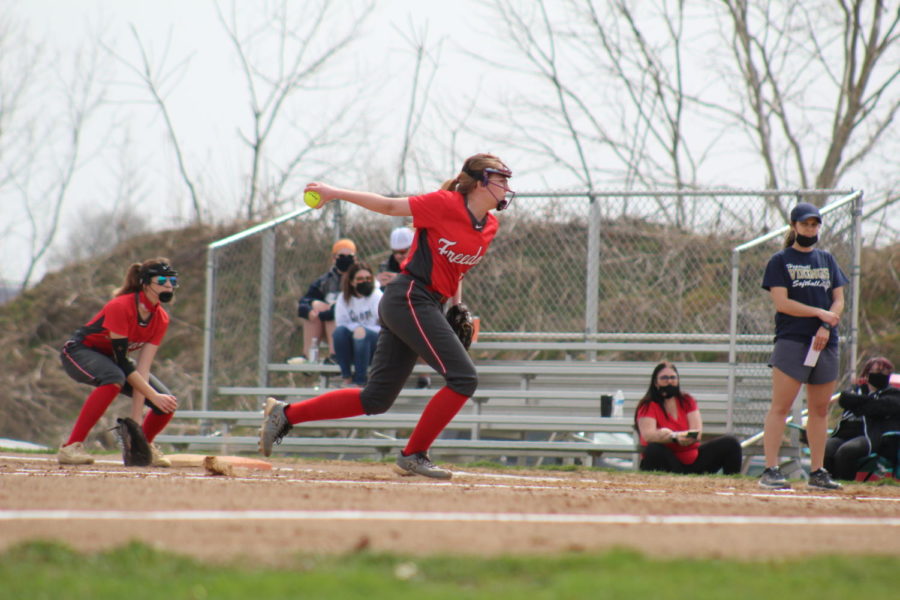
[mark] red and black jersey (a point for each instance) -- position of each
(121, 316)
(449, 240)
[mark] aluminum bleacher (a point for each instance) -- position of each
(544, 408)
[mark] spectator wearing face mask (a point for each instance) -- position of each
(670, 427)
(806, 286)
(316, 307)
(871, 409)
(357, 327)
(401, 240)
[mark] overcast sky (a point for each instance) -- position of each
(207, 98)
(207, 102)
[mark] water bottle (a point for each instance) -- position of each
(618, 404)
(314, 351)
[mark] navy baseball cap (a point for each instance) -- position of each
(805, 210)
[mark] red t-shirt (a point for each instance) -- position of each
(120, 316)
(685, 454)
(449, 241)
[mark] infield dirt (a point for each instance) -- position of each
(304, 506)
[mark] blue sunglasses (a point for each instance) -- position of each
(161, 280)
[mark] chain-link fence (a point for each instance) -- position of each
(614, 265)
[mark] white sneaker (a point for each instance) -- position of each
(74, 454)
(159, 459)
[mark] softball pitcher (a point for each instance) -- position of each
(454, 228)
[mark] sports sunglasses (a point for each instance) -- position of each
(162, 279)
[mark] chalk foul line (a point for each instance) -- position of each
(455, 517)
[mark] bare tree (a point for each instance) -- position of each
(608, 89)
(159, 80)
(843, 50)
(279, 55)
(303, 44)
(43, 148)
(628, 94)
(99, 231)
(21, 61)
(425, 68)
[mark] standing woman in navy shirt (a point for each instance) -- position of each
(454, 227)
(807, 288)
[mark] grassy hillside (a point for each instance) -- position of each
(39, 402)
(880, 303)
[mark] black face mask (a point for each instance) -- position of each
(668, 391)
(806, 241)
(166, 296)
(343, 262)
(879, 381)
(365, 288)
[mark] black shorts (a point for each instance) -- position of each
(788, 357)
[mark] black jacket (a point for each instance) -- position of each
(880, 412)
(326, 289)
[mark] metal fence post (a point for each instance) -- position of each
(266, 301)
(338, 220)
(732, 337)
(209, 326)
(855, 277)
(592, 287)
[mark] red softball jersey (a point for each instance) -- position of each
(120, 316)
(685, 454)
(449, 240)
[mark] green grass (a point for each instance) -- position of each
(37, 570)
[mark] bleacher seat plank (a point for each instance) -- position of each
(517, 400)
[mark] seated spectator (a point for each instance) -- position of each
(401, 240)
(356, 319)
(871, 409)
(316, 307)
(670, 426)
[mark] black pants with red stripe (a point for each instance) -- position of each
(412, 326)
(86, 365)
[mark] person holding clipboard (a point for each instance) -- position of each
(669, 423)
(806, 285)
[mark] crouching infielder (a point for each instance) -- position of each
(97, 354)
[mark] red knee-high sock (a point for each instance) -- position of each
(94, 407)
(441, 409)
(338, 404)
(154, 423)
